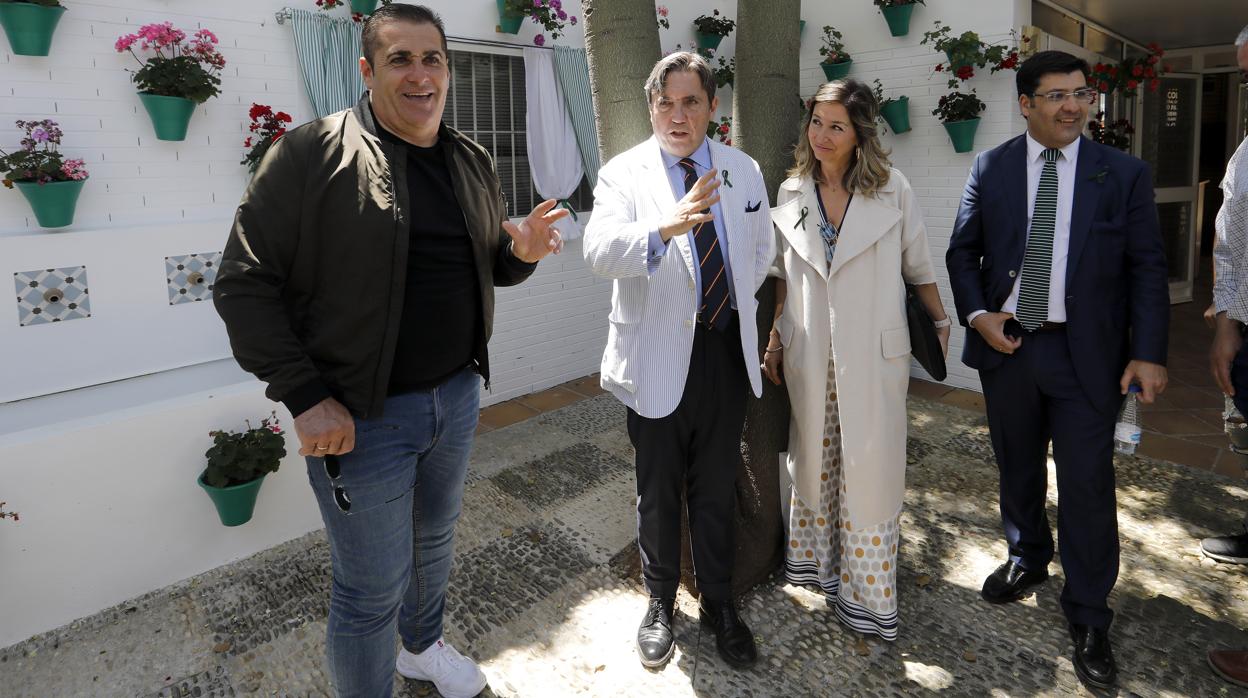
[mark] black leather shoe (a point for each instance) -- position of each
(1093, 658)
(1010, 583)
(733, 638)
(655, 642)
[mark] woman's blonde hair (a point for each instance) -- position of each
(869, 164)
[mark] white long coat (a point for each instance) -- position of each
(652, 319)
(855, 307)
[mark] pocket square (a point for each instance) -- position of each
(751, 208)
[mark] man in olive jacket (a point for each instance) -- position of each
(358, 284)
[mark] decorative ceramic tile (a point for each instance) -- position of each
(51, 295)
(191, 276)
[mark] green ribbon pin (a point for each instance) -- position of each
(568, 205)
(802, 221)
(726, 180)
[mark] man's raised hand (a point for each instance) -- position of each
(536, 237)
(689, 210)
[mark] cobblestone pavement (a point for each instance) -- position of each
(537, 595)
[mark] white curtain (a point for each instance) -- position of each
(554, 158)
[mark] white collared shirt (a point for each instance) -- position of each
(1230, 251)
(1066, 162)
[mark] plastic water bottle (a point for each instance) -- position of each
(1127, 430)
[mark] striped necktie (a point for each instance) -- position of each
(1033, 292)
(711, 263)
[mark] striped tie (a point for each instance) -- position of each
(711, 263)
(1033, 292)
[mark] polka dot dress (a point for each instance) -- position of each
(856, 568)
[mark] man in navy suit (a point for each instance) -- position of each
(1057, 265)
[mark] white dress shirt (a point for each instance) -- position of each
(1066, 161)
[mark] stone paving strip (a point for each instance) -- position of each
(539, 596)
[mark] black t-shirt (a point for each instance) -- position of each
(441, 306)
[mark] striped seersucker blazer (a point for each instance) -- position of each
(653, 314)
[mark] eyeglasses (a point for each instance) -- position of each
(1086, 95)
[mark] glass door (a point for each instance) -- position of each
(1168, 136)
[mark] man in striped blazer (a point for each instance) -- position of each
(1057, 267)
(682, 226)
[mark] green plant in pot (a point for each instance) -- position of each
(959, 112)
(894, 111)
(966, 52)
(177, 75)
(49, 181)
(897, 14)
(29, 24)
(836, 60)
(237, 465)
(711, 29)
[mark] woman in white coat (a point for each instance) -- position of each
(850, 236)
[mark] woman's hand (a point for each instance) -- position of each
(773, 360)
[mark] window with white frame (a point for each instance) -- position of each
(487, 103)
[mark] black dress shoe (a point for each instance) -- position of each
(1093, 658)
(1010, 583)
(733, 638)
(655, 642)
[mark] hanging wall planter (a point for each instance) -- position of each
(235, 504)
(962, 133)
(710, 42)
(52, 202)
(364, 7)
(170, 115)
(896, 113)
(29, 27)
(836, 71)
(898, 18)
(508, 22)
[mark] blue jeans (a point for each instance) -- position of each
(390, 507)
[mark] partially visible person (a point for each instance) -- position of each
(851, 235)
(358, 283)
(681, 226)
(1059, 272)
(1228, 356)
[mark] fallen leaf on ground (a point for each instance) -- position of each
(221, 647)
(599, 668)
(969, 656)
(507, 533)
(861, 648)
(923, 580)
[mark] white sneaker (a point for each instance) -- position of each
(454, 675)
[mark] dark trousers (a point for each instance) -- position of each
(696, 449)
(1034, 396)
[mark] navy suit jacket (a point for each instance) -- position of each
(1117, 296)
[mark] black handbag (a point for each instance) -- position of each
(924, 344)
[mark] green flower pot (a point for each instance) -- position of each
(170, 115)
(962, 133)
(836, 71)
(896, 113)
(898, 18)
(29, 27)
(710, 42)
(364, 7)
(54, 202)
(508, 23)
(235, 504)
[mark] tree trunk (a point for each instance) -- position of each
(621, 44)
(765, 123)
